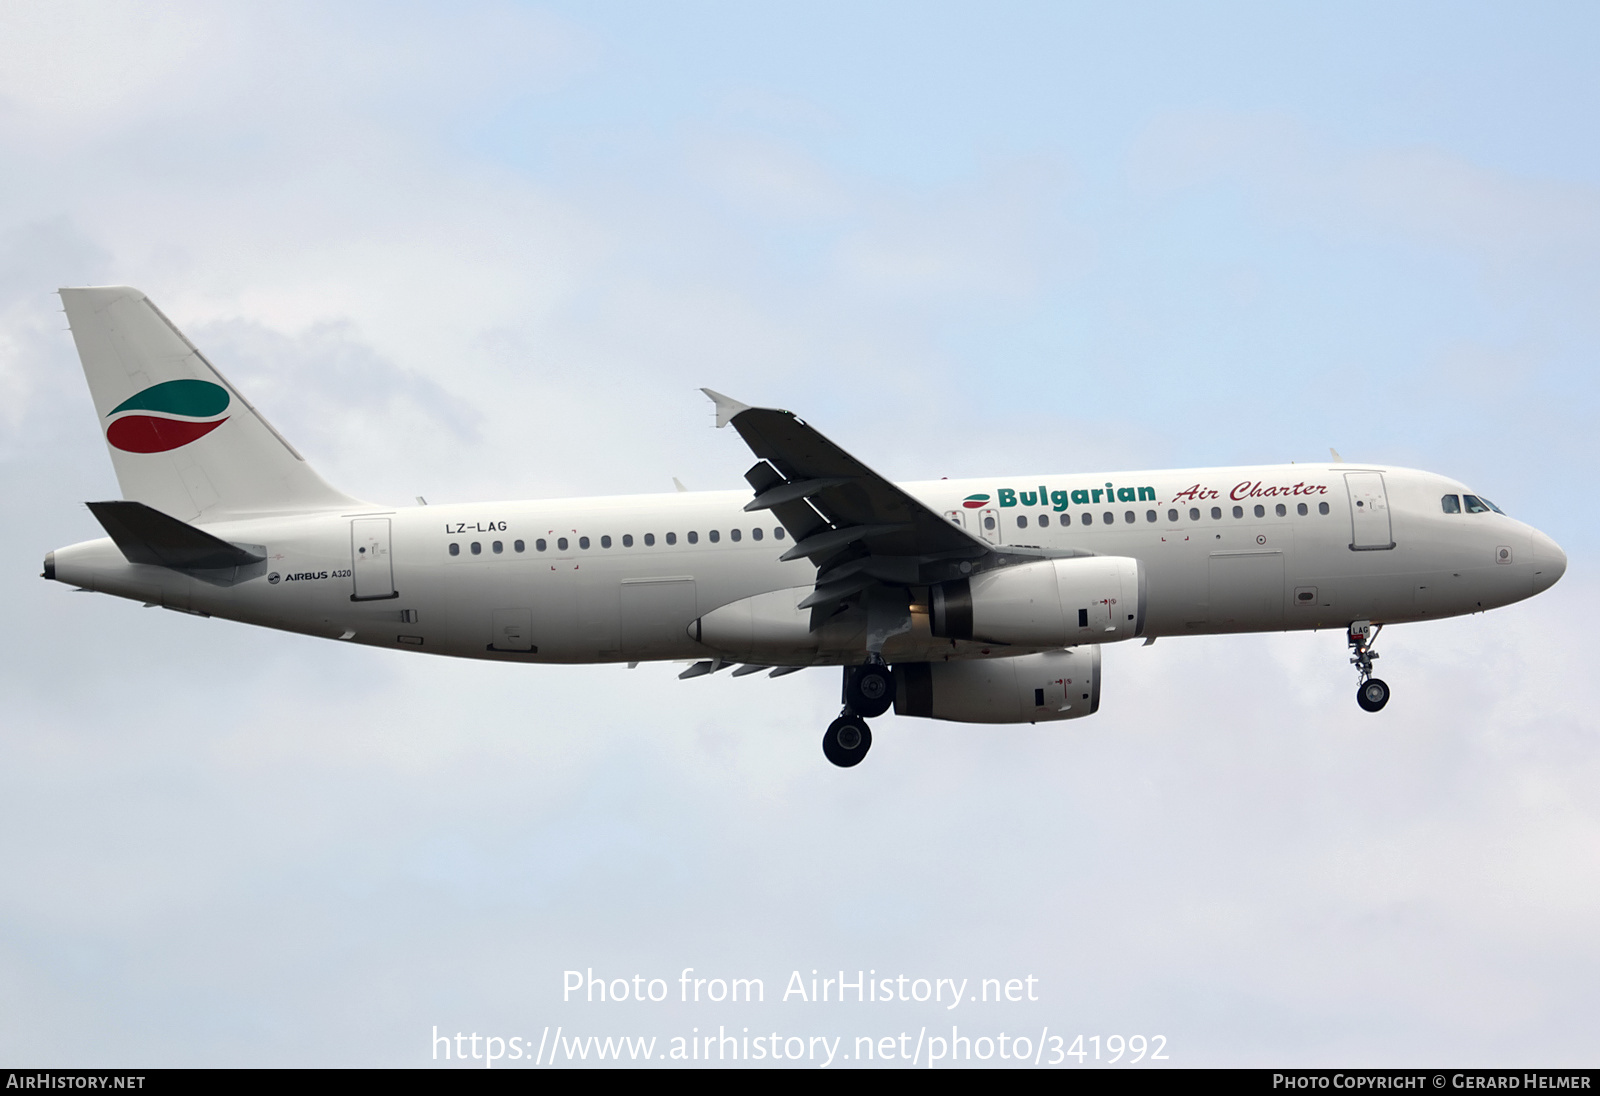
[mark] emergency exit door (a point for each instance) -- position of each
(989, 525)
(370, 564)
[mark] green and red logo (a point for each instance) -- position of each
(184, 411)
(972, 502)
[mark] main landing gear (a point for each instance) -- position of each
(1373, 693)
(868, 691)
(847, 740)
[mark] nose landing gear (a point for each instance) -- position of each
(1373, 693)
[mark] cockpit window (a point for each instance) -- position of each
(1474, 504)
(1493, 507)
(1451, 504)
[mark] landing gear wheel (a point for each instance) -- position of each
(1372, 695)
(847, 741)
(869, 690)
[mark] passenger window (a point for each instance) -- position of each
(1451, 504)
(1172, 515)
(1261, 511)
(1129, 517)
(1022, 521)
(1238, 511)
(539, 545)
(1322, 508)
(498, 547)
(1066, 519)
(605, 541)
(519, 546)
(1108, 518)
(714, 535)
(1282, 510)
(1301, 510)
(672, 538)
(777, 533)
(455, 549)
(1044, 519)
(1216, 513)
(477, 549)
(1087, 519)
(649, 540)
(561, 544)
(755, 534)
(1474, 504)
(734, 534)
(627, 540)
(1149, 515)
(694, 537)
(988, 522)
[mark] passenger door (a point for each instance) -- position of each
(370, 564)
(1370, 529)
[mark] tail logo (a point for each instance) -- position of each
(184, 411)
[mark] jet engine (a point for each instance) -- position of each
(1050, 603)
(1026, 689)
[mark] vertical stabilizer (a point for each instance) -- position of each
(183, 440)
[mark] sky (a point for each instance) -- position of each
(491, 251)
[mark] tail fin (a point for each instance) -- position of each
(183, 440)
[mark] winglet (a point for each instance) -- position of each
(1337, 458)
(726, 408)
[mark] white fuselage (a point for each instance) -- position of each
(451, 580)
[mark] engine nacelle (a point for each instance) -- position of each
(1026, 689)
(767, 626)
(1051, 603)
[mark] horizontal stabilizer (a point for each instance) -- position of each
(146, 535)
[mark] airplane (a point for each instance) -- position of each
(975, 600)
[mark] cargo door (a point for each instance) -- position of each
(1246, 590)
(513, 630)
(370, 564)
(655, 616)
(1370, 530)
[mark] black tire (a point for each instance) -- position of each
(847, 741)
(869, 690)
(1372, 695)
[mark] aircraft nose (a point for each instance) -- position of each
(1549, 562)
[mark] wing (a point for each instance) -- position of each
(858, 528)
